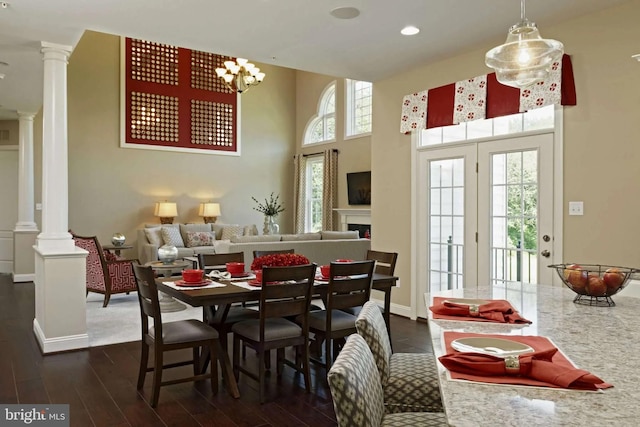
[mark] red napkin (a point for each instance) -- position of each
(545, 367)
(500, 311)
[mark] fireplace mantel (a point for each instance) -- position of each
(353, 216)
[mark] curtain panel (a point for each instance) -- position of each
(483, 97)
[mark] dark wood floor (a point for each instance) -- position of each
(99, 383)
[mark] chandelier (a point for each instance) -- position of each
(240, 75)
(525, 58)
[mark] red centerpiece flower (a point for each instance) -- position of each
(278, 260)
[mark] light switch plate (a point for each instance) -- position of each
(576, 208)
(38, 206)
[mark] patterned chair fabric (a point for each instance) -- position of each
(103, 276)
(409, 380)
(357, 393)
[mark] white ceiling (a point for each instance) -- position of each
(299, 34)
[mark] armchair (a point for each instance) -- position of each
(103, 276)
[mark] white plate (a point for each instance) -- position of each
(492, 346)
(466, 301)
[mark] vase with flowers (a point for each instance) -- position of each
(270, 209)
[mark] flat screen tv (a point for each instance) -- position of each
(359, 188)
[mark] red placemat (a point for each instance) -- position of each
(496, 311)
(558, 366)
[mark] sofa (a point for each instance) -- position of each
(193, 239)
(190, 239)
(321, 248)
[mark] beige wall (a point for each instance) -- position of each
(601, 152)
(112, 189)
(13, 127)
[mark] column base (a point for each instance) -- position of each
(59, 344)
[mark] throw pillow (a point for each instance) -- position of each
(171, 236)
(231, 230)
(250, 230)
(200, 238)
(337, 235)
(250, 239)
(154, 236)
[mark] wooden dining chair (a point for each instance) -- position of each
(349, 286)
(385, 261)
(208, 262)
(286, 292)
(257, 254)
(169, 336)
(357, 393)
(235, 313)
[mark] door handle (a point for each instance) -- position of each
(545, 253)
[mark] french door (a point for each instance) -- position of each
(484, 213)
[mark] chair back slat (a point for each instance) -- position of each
(148, 299)
(286, 291)
(349, 284)
(385, 261)
(218, 261)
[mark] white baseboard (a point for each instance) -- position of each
(20, 278)
(400, 310)
(59, 344)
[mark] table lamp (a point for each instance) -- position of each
(166, 211)
(209, 211)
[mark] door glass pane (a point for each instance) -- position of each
(514, 236)
(446, 223)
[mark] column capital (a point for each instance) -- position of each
(24, 115)
(55, 51)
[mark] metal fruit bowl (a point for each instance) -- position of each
(594, 284)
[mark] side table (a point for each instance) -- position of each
(116, 249)
(167, 303)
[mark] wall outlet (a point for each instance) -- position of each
(576, 208)
(38, 206)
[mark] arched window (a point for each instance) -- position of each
(322, 127)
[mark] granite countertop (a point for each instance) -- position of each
(601, 340)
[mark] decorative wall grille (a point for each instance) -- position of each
(173, 98)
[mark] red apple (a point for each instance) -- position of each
(613, 278)
(576, 277)
(596, 286)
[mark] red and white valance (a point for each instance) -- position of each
(483, 97)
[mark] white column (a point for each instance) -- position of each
(25, 173)
(60, 322)
(55, 187)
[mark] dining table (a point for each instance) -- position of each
(216, 301)
(601, 340)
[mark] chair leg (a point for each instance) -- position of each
(157, 378)
(305, 367)
(327, 353)
(236, 356)
(196, 360)
(214, 367)
(279, 361)
(107, 297)
(261, 370)
(144, 361)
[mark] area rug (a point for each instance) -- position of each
(119, 321)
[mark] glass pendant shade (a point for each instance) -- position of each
(525, 58)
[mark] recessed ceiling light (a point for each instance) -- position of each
(410, 30)
(345, 12)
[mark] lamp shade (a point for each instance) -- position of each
(166, 209)
(209, 209)
(525, 58)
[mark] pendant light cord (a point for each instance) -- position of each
(522, 10)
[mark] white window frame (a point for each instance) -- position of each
(323, 115)
(351, 109)
(308, 200)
